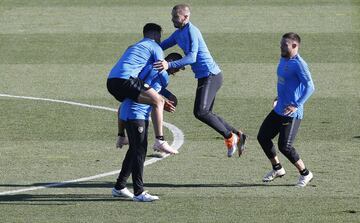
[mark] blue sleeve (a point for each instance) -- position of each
(164, 78)
(146, 74)
(157, 80)
(158, 53)
(167, 94)
(190, 57)
(304, 76)
(169, 42)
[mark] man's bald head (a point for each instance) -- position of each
(180, 15)
(183, 9)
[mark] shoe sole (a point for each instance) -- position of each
(120, 196)
(280, 176)
(117, 195)
(230, 155)
(164, 151)
(236, 146)
(242, 143)
(305, 184)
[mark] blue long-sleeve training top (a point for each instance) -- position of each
(190, 40)
(135, 58)
(294, 85)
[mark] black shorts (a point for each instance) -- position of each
(126, 88)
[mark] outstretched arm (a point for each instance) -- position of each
(169, 42)
(188, 59)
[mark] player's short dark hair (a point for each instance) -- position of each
(292, 36)
(151, 27)
(173, 57)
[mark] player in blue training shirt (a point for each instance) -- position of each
(188, 37)
(123, 81)
(135, 116)
(294, 87)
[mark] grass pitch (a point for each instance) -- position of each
(65, 49)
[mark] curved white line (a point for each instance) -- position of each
(178, 136)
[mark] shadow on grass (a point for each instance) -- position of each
(53, 199)
(88, 184)
(69, 199)
(106, 184)
(238, 185)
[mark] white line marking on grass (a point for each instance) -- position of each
(177, 143)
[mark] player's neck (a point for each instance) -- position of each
(185, 24)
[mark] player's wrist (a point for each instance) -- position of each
(169, 65)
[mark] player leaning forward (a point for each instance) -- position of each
(189, 38)
(294, 87)
(123, 82)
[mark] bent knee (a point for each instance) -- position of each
(200, 113)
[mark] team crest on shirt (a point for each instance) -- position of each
(140, 129)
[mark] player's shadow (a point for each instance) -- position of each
(86, 184)
(108, 185)
(56, 199)
(105, 194)
(211, 185)
(63, 198)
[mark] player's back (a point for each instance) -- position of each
(135, 58)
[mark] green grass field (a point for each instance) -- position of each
(64, 49)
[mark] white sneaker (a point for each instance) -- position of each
(121, 141)
(145, 197)
(274, 174)
(122, 193)
(304, 180)
(163, 146)
(231, 144)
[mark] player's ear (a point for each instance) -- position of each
(294, 45)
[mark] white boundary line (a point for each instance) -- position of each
(177, 143)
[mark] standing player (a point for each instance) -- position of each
(135, 116)
(294, 87)
(189, 39)
(123, 81)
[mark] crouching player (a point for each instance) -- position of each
(136, 119)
